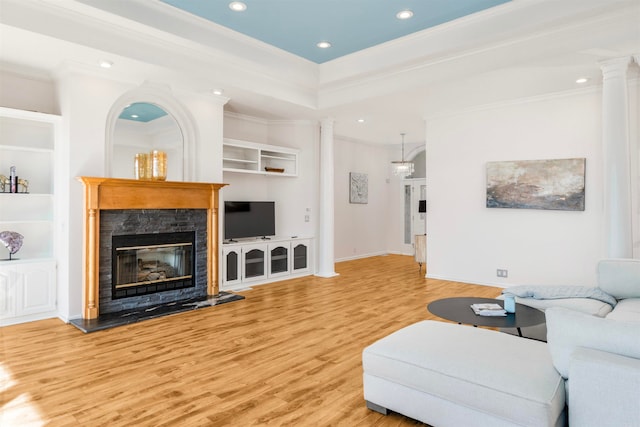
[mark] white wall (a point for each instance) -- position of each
(467, 241)
(298, 195)
(361, 229)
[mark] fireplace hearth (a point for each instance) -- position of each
(127, 317)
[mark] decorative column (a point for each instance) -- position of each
(326, 260)
(205, 155)
(617, 171)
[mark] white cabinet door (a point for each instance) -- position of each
(37, 288)
(254, 265)
(301, 256)
(231, 265)
(27, 289)
(279, 262)
(8, 278)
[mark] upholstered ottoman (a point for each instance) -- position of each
(445, 374)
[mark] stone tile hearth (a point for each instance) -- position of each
(111, 320)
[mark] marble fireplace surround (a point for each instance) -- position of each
(119, 194)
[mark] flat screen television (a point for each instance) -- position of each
(249, 219)
(422, 206)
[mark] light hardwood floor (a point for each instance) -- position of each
(289, 354)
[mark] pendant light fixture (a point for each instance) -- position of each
(402, 168)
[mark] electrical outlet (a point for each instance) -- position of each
(306, 218)
(502, 272)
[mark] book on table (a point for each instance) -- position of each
(488, 309)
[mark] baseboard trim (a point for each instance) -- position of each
(471, 282)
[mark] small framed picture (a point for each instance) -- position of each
(358, 188)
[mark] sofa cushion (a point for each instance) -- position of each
(620, 277)
(605, 389)
(567, 330)
(508, 377)
(627, 310)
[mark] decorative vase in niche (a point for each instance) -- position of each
(142, 166)
(159, 165)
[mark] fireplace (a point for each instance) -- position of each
(140, 248)
(144, 264)
(116, 207)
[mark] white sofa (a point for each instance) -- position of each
(451, 375)
(619, 278)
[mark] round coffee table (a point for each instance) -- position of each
(459, 310)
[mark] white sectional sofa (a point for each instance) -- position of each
(588, 374)
(619, 278)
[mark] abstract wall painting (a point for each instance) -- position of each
(358, 188)
(557, 184)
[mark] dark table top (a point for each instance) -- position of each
(459, 310)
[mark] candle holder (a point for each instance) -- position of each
(142, 166)
(158, 165)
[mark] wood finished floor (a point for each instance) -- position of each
(289, 354)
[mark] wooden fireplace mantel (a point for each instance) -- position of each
(112, 193)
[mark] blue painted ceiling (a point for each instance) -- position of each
(142, 112)
(350, 25)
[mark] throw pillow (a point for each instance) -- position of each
(620, 277)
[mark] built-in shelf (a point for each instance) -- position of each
(250, 157)
(28, 143)
(28, 282)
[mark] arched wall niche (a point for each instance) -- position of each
(161, 96)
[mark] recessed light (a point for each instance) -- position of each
(404, 14)
(218, 91)
(360, 120)
(323, 44)
(134, 116)
(237, 6)
(105, 64)
(582, 80)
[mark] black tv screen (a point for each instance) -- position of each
(422, 206)
(249, 219)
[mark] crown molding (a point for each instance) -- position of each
(26, 72)
(267, 122)
(246, 117)
(514, 102)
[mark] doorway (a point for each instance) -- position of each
(415, 222)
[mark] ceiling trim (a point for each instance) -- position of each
(396, 78)
(71, 21)
(513, 102)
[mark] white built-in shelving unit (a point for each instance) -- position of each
(28, 282)
(251, 157)
(256, 261)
